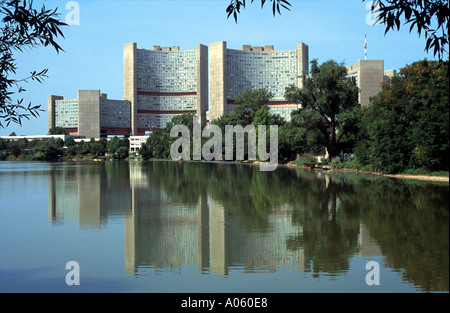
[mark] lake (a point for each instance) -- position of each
(194, 227)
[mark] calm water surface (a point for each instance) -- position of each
(204, 227)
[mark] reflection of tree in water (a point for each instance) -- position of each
(409, 221)
(328, 238)
(330, 230)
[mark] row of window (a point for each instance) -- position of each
(167, 72)
(272, 71)
(148, 121)
(66, 113)
(167, 103)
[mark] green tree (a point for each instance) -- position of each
(57, 130)
(72, 150)
(23, 28)
(234, 8)
(333, 96)
(429, 18)
(96, 148)
(48, 149)
(3, 144)
(244, 113)
(121, 153)
(407, 125)
(16, 151)
(83, 147)
(159, 142)
(306, 132)
(70, 141)
(158, 145)
(114, 144)
(252, 109)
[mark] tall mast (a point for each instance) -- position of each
(365, 47)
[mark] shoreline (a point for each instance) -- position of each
(400, 176)
(342, 170)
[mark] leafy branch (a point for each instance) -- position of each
(22, 28)
(428, 17)
(234, 8)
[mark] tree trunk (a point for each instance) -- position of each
(332, 149)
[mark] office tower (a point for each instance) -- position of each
(232, 72)
(369, 75)
(91, 115)
(164, 82)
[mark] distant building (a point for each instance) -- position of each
(164, 82)
(91, 115)
(136, 142)
(35, 137)
(369, 75)
(232, 72)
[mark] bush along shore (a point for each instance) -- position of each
(117, 149)
(309, 161)
(403, 132)
(55, 149)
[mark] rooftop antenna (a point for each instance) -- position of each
(365, 47)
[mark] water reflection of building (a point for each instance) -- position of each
(367, 245)
(86, 195)
(167, 236)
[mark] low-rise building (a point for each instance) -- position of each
(136, 143)
(91, 115)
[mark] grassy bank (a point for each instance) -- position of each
(352, 165)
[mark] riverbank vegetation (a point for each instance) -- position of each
(405, 129)
(55, 149)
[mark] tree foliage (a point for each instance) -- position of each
(407, 125)
(57, 130)
(235, 6)
(249, 103)
(23, 27)
(118, 147)
(159, 142)
(333, 96)
(427, 17)
(54, 149)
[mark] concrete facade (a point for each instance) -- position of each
(302, 63)
(232, 72)
(164, 82)
(136, 143)
(202, 76)
(130, 81)
(369, 75)
(51, 109)
(217, 82)
(90, 115)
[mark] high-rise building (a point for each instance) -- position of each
(91, 115)
(369, 75)
(232, 72)
(163, 82)
(166, 81)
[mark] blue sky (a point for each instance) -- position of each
(333, 29)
